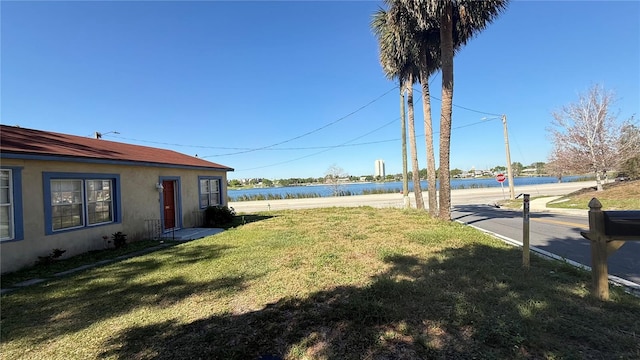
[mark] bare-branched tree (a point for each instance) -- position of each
(587, 136)
(630, 150)
(556, 166)
(332, 178)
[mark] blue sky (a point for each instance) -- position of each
(228, 80)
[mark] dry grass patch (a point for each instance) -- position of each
(615, 196)
(337, 283)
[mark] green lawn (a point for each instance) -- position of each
(339, 283)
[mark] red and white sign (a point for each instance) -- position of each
(500, 178)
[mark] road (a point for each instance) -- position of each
(555, 233)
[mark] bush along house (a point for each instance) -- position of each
(71, 193)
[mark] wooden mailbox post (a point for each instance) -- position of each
(608, 230)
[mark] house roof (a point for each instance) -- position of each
(21, 142)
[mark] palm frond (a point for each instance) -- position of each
(469, 16)
(404, 47)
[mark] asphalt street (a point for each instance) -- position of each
(556, 233)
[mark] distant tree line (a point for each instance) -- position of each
(338, 176)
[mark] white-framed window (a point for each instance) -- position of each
(67, 203)
(209, 192)
(80, 200)
(99, 201)
(74, 200)
(7, 225)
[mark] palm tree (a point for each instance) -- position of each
(403, 129)
(417, 190)
(428, 134)
(427, 45)
(398, 60)
(429, 62)
(458, 21)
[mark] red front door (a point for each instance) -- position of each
(169, 202)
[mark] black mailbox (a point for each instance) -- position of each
(622, 223)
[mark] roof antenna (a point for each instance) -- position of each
(99, 135)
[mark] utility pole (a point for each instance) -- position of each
(512, 193)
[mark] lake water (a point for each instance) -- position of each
(358, 188)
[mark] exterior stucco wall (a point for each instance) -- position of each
(139, 201)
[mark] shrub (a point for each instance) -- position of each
(119, 239)
(46, 260)
(215, 216)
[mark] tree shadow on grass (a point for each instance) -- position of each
(463, 303)
(110, 291)
(244, 219)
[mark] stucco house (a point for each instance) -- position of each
(70, 192)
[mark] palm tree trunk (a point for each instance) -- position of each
(412, 144)
(446, 51)
(428, 135)
(405, 177)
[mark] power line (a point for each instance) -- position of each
(329, 147)
(458, 106)
(347, 143)
(364, 143)
(246, 150)
(180, 145)
(316, 130)
(298, 148)
(322, 147)
(242, 150)
(323, 151)
(376, 142)
(325, 148)
(468, 109)
(461, 107)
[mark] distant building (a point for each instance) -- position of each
(379, 168)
